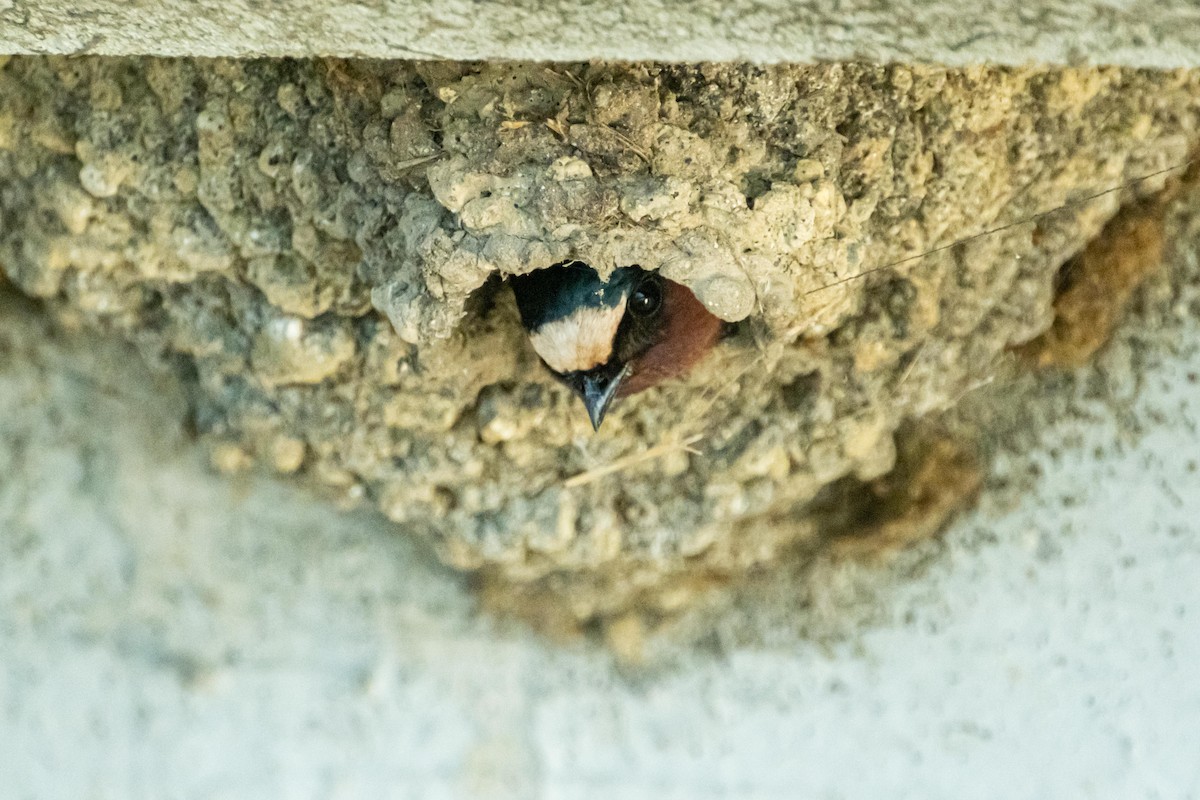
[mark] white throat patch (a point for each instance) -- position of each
(581, 341)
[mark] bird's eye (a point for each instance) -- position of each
(646, 299)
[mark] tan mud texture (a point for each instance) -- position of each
(317, 249)
(1095, 286)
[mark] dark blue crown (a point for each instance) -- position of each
(549, 294)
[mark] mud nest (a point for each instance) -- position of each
(318, 248)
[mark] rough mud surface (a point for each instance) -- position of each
(316, 247)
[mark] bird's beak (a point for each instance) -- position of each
(598, 389)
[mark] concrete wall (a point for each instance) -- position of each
(951, 32)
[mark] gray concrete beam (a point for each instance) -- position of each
(953, 32)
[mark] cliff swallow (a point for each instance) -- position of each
(611, 339)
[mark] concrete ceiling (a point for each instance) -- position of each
(952, 32)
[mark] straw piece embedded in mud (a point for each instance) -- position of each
(659, 450)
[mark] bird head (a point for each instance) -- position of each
(607, 339)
